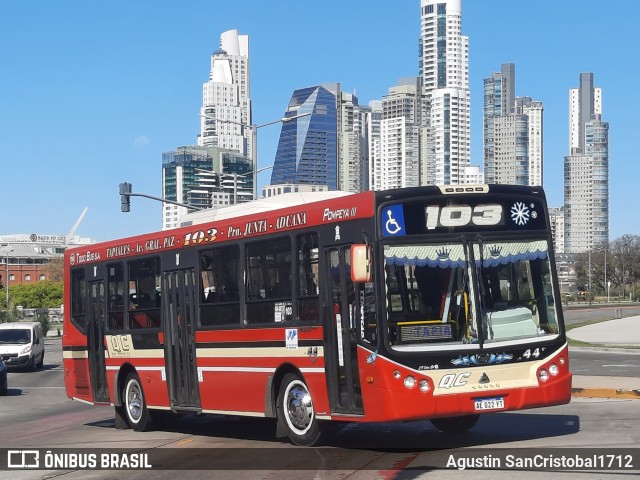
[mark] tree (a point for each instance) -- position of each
(37, 295)
(56, 269)
(622, 267)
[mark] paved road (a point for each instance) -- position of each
(584, 312)
(605, 362)
(37, 414)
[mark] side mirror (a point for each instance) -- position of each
(360, 263)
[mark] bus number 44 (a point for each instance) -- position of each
(528, 354)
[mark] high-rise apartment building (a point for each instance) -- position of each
(444, 70)
(556, 218)
(219, 169)
(374, 145)
(512, 132)
(204, 177)
(395, 141)
(225, 115)
(353, 152)
(586, 170)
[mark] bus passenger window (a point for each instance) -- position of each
(78, 292)
(220, 298)
(269, 281)
(115, 297)
(144, 283)
(307, 292)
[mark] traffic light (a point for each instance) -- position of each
(125, 199)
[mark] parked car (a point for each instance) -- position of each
(3, 378)
(22, 344)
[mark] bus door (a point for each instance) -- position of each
(179, 301)
(96, 320)
(342, 335)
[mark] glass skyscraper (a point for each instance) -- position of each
(308, 147)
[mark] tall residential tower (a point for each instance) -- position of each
(586, 170)
(512, 132)
(225, 116)
(444, 70)
(395, 141)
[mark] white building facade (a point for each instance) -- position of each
(512, 132)
(444, 70)
(586, 170)
(225, 115)
(394, 143)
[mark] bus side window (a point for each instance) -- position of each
(115, 297)
(78, 292)
(219, 284)
(307, 291)
(269, 281)
(144, 283)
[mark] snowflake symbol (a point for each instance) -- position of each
(520, 213)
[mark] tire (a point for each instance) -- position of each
(295, 412)
(455, 424)
(40, 364)
(3, 387)
(135, 405)
(31, 364)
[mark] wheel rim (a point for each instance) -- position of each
(298, 407)
(134, 401)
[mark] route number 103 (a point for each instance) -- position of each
(462, 215)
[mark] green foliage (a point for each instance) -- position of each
(10, 315)
(36, 295)
(43, 318)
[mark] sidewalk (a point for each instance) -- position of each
(618, 333)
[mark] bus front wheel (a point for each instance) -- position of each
(135, 404)
(455, 424)
(295, 411)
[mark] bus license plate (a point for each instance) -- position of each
(496, 403)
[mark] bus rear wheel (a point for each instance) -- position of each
(295, 412)
(455, 424)
(135, 404)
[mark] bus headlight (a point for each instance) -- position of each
(423, 385)
(396, 374)
(553, 369)
(409, 382)
(543, 375)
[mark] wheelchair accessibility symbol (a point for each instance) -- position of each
(393, 221)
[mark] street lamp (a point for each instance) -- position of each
(254, 140)
(624, 252)
(7, 250)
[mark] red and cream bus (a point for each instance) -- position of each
(437, 303)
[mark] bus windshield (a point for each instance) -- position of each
(473, 293)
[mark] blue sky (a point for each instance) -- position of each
(92, 93)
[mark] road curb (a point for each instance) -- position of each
(605, 393)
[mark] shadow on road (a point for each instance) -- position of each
(383, 437)
(13, 392)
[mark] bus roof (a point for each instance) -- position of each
(258, 206)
